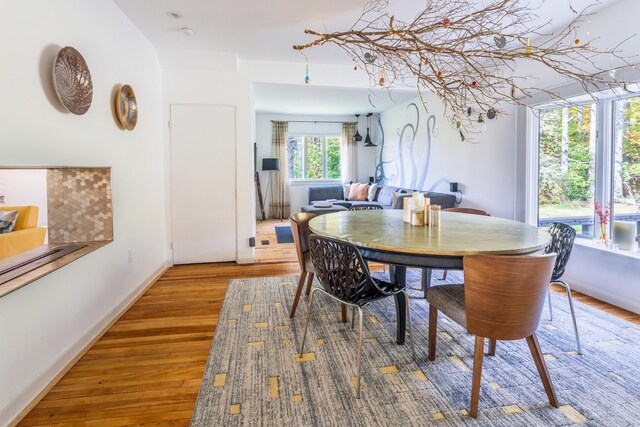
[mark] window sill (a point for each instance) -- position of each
(589, 243)
(301, 182)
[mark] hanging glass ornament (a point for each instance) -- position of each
(306, 78)
(469, 111)
(500, 41)
(577, 41)
(458, 124)
(446, 22)
(528, 49)
(370, 58)
(439, 73)
(491, 114)
(382, 77)
(474, 83)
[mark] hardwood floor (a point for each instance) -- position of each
(147, 368)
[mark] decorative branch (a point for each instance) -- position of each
(466, 54)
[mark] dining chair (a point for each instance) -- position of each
(502, 299)
(345, 277)
(301, 233)
(470, 211)
(562, 238)
(365, 208)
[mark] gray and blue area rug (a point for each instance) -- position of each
(255, 377)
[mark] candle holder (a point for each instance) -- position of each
(406, 210)
(434, 216)
(417, 218)
(427, 203)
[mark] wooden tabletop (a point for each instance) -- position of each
(458, 235)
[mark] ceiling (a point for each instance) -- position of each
(319, 100)
(266, 30)
(256, 30)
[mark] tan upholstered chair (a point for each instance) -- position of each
(502, 299)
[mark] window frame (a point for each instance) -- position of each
(604, 151)
(325, 137)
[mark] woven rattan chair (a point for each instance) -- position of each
(502, 299)
(345, 277)
(562, 238)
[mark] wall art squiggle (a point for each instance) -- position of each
(391, 168)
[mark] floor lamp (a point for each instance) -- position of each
(268, 164)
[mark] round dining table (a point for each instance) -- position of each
(382, 236)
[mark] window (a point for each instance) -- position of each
(314, 157)
(588, 152)
(566, 163)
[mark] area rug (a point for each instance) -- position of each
(284, 234)
(254, 376)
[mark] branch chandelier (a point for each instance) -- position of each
(466, 54)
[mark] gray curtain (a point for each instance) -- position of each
(349, 153)
(279, 207)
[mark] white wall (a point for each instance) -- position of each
(201, 86)
(484, 169)
(23, 187)
(298, 191)
(44, 324)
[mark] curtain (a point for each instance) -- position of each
(349, 153)
(279, 207)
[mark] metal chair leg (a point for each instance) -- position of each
(353, 317)
(306, 326)
(565, 285)
(359, 354)
(413, 350)
(550, 307)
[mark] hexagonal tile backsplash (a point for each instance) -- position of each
(79, 204)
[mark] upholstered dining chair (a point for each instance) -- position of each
(562, 238)
(502, 299)
(470, 211)
(365, 208)
(345, 277)
(301, 233)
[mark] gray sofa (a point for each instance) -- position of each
(383, 197)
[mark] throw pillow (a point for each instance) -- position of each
(358, 191)
(7, 221)
(346, 188)
(373, 188)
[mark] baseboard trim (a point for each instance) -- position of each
(606, 296)
(91, 338)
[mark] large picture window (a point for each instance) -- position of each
(566, 162)
(589, 153)
(314, 157)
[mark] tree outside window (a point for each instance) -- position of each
(314, 157)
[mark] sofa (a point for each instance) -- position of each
(383, 197)
(26, 234)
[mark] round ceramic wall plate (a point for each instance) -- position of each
(72, 81)
(127, 107)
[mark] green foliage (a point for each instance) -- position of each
(333, 158)
(630, 166)
(314, 157)
(572, 178)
